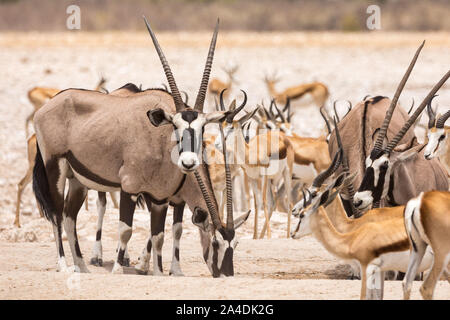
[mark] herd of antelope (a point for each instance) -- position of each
(379, 199)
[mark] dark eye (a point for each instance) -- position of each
(302, 215)
(385, 164)
(441, 137)
(215, 243)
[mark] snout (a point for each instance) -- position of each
(363, 200)
(188, 161)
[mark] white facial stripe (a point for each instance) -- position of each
(435, 147)
(376, 167)
(223, 246)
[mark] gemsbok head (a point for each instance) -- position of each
(382, 159)
(188, 122)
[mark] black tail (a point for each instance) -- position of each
(41, 188)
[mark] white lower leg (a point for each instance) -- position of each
(124, 236)
(79, 265)
(157, 243)
(175, 268)
(144, 260)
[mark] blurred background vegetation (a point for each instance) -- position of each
(255, 15)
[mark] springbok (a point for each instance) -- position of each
(379, 171)
(438, 145)
(318, 91)
(136, 148)
(267, 157)
(377, 244)
(38, 96)
(216, 86)
(427, 223)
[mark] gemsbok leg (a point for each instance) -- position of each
(49, 182)
(97, 254)
(177, 231)
(158, 221)
(74, 200)
(127, 207)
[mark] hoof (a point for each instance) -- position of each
(126, 262)
(97, 262)
(141, 272)
(117, 268)
(176, 273)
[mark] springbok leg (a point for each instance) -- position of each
(158, 221)
(97, 254)
(20, 187)
(114, 200)
(127, 207)
(266, 214)
(415, 258)
(177, 231)
(272, 206)
(74, 201)
(256, 193)
(439, 265)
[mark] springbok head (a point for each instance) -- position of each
(324, 197)
(382, 159)
(188, 122)
(284, 124)
(316, 188)
(437, 134)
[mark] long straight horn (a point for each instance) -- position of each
(200, 101)
(228, 183)
(390, 111)
(179, 104)
(321, 177)
(416, 114)
(441, 121)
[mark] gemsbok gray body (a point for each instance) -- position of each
(389, 163)
(127, 144)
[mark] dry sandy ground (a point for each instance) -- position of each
(274, 268)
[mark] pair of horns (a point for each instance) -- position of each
(383, 130)
(200, 101)
(233, 111)
(432, 117)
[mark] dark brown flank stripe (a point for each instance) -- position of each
(401, 245)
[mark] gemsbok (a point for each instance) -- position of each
(387, 176)
(38, 96)
(136, 148)
(427, 223)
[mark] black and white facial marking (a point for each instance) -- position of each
(375, 183)
(189, 126)
(436, 143)
(218, 244)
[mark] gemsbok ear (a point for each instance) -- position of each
(240, 220)
(200, 219)
(159, 117)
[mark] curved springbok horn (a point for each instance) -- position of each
(350, 106)
(431, 114)
(288, 107)
(228, 183)
(229, 118)
(351, 191)
(321, 177)
(335, 111)
(279, 112)
(441, 121)
(387, 119)
(304, 197)
(179, 104)
(200, 101)
(186, 97)
(416, 114)
(322, 113)
(216, 104)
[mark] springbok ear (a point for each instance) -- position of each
(200, 219)
(339, 180)
(216, 116)
(159, 117)
(331, 198)
(324, 197)
(240, 220)
(248, 116)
